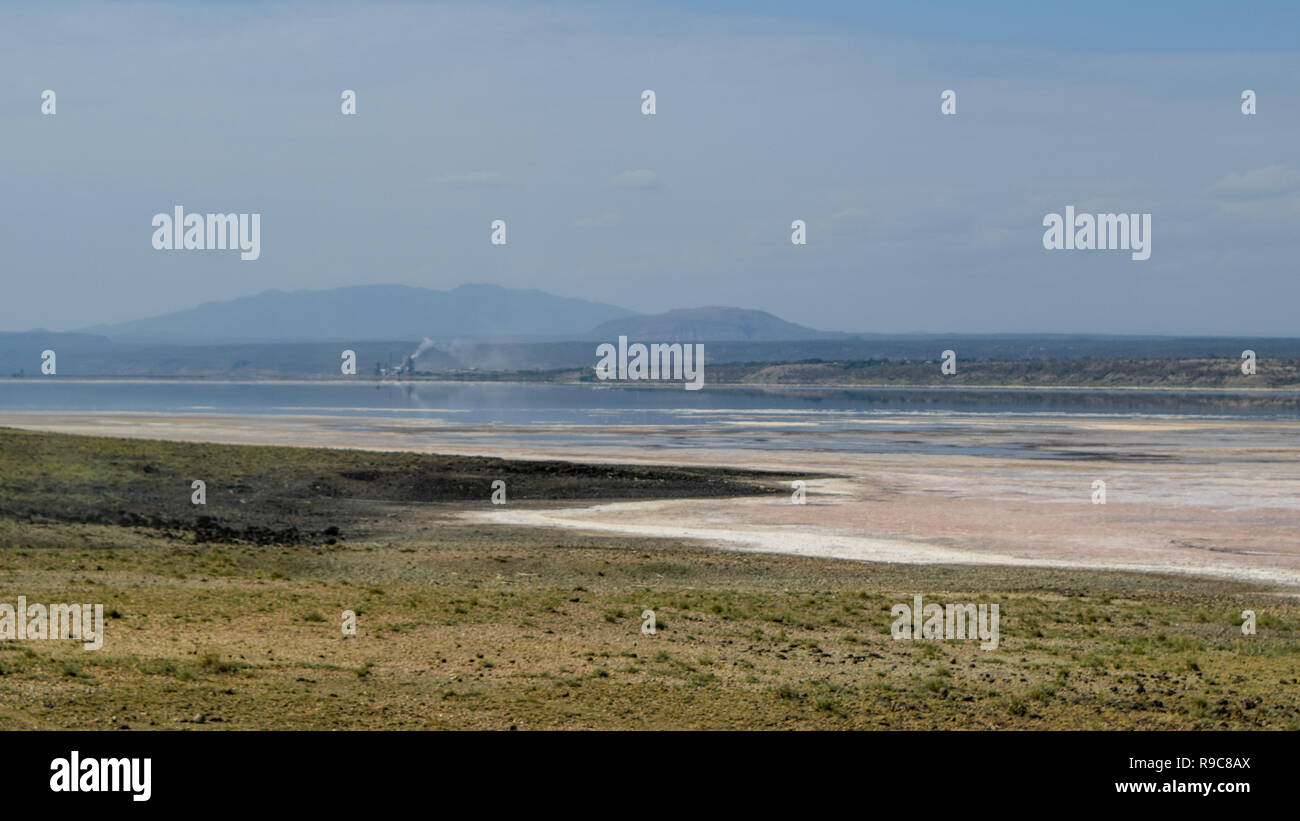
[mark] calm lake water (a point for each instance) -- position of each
(524, 404)
(864, 420)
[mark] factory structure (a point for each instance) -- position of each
(406, 367)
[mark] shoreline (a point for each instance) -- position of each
(531, 614)
(646, 384)
(1217, 504)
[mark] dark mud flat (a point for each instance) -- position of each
(281, 495)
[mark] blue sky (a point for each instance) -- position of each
(826, 112)
(1097, 25)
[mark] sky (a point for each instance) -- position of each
(766, 113)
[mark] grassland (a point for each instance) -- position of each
(236, 624)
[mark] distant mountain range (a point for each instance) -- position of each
(470, 312)
(371, 312)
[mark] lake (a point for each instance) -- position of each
(865, 420)
(517, 403)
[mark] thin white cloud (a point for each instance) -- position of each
(1258, 183)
